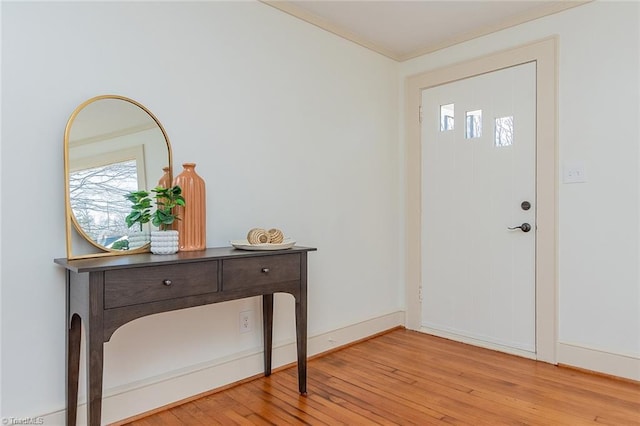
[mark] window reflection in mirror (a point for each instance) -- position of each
(103, 217)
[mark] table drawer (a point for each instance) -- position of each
(124, 287)
(259, 271)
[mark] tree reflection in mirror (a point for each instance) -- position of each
(99, 204)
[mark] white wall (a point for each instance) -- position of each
(598, 221)
(240, 86)
(290, 126)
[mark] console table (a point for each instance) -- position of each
(108, 292)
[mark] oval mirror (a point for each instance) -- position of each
(112, 145)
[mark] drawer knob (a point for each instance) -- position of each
(265, 270)
(167, 282)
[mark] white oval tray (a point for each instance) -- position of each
(244, 245)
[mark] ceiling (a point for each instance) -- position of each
(402, 29)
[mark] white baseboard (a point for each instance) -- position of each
(626, 366)
(140, 397)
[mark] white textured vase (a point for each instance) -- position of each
(137, 239)
(164, 242)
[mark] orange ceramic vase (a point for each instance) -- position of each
(165, 180)
(193, 220)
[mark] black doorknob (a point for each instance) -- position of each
(525, 227)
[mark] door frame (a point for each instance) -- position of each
(544, 53)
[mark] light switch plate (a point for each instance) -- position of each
(574, 172)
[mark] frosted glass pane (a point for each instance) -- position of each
(474, 124)
(446, 117)
(504, 131)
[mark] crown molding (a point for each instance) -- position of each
(540, 12)
(545, 10)
(313, 19)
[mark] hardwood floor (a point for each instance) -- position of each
(404, 378)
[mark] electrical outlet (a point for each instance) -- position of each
(246, 321)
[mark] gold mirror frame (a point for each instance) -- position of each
(79, 244)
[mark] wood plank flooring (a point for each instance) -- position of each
(409, 378)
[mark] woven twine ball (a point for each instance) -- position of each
(275, 236)
(258, 236)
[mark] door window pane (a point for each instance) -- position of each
(474, 124)
(504, 131)
(446, 117)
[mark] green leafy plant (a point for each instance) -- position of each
(165, 200)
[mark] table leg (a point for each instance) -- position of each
(95, 353)
(301, 340)
(73, 368)
(267, 329)
(301, 326)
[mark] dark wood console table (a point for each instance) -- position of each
(108, 292)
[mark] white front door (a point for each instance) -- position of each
(478, 174)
